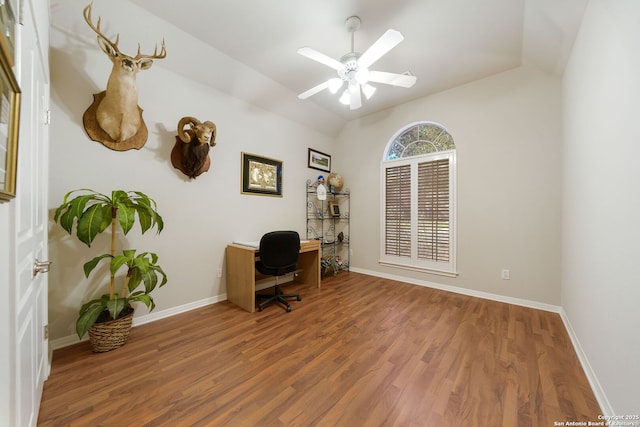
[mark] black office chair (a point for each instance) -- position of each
(279, 252)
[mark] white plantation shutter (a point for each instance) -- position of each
(398, 211)
(433, 210)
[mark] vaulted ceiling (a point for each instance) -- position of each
(447, 43)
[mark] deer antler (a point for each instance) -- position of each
(86, 12)
(87, 17)
(156, 55)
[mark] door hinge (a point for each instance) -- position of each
(47, 117)
(46, 332)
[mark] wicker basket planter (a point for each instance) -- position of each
(107, 336)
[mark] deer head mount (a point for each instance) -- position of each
(114, 118)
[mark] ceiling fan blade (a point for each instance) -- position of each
(320, 57)
(394, 79)
(314, 90)
(356, 99)
(384, 44)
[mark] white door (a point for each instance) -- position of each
(31, 217)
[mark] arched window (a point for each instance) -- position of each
(418, 199)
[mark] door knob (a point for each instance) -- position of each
(41, 266)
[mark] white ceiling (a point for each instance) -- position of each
(447, 43)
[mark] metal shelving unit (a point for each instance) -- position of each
(328, 221)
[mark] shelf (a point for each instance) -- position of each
(323, 226)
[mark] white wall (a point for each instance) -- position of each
(601, 203)
(508, 138)
(201, 216)
(7, 325)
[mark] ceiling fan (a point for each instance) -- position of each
(353, 68)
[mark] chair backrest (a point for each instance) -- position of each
(280, 249)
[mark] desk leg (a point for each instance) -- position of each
(241, 278)
(309, 262)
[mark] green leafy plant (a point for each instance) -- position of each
(92, 213)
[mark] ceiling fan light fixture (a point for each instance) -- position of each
(368, 90)
(362, 75)
(345, 99)
(353, 84)
(335, 84)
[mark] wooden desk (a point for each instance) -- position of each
(242, 274)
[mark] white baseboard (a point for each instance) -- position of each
(463, 291)
(66, 341)
(601, 397)
(146, 318)
(157, 315)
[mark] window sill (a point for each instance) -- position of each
(420, 269)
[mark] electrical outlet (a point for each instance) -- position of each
(219, 272)
(506, 274)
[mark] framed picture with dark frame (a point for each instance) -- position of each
(9, 125)
(318, 160)
(334, 209)
(261, 176)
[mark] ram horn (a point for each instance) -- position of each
(212, 126)
(188, 120)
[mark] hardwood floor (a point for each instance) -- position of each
(361, 351)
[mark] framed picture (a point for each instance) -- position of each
(334, 209)
(9, 124)
(320, 161)
(261, 176)
(7, 30)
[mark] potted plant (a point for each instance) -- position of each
(108, 318)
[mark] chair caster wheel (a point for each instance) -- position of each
(260, 308)
(288, 309)
(299, 299)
